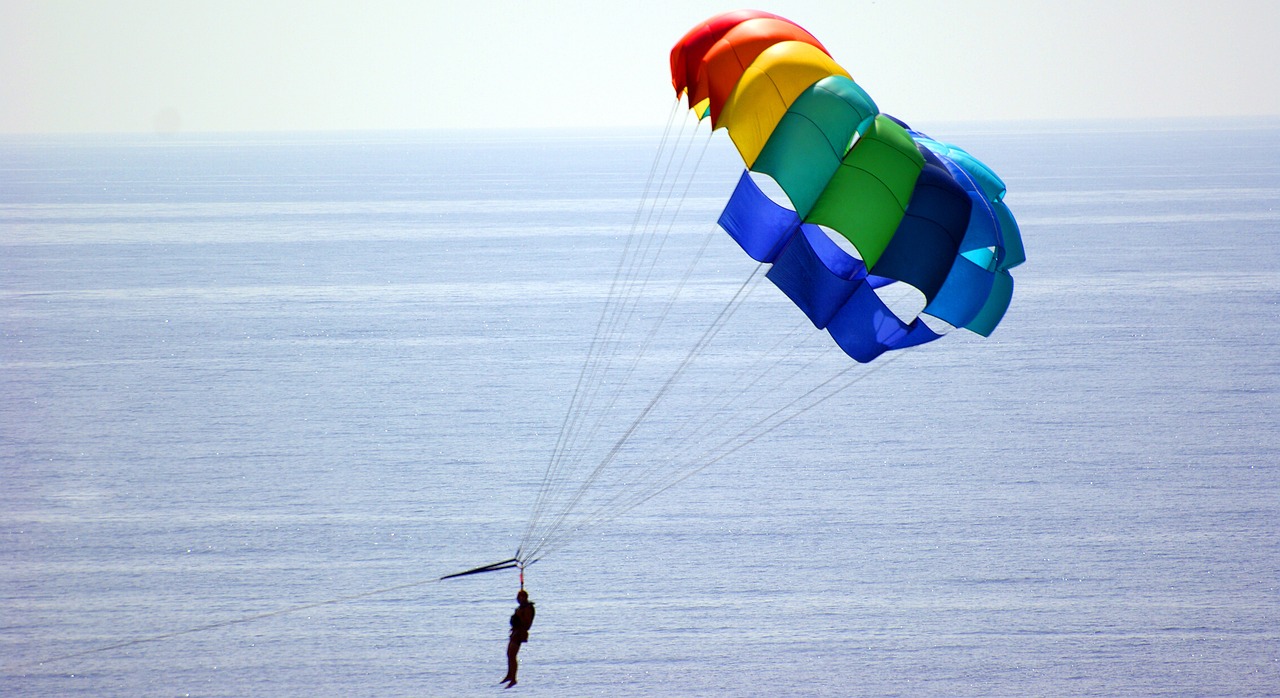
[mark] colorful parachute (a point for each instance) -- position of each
(890, 239)
(913, 210)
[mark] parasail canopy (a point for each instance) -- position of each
(874, 204)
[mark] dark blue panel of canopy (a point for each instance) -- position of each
(984, 227)
(926, 241)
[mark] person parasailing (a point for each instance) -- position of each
(521, 621)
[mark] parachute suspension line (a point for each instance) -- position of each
(725, 409)
(651, 233)
(651, 230)
(634, 285)
(621, 309)
(786, 413)
(619, 304)
(759, 372)
(783, 415)
(231, 621)
(677, 458)
(711, 331)
(738, 442)
(716, 325)
(720, 411)
(716, 452)
(566, 427)
(598, 338)
(602, 415)
(675, 443)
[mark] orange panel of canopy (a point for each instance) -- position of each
(686, 55)
(728, 58)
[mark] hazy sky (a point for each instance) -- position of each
(141, 65)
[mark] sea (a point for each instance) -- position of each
(259, 392)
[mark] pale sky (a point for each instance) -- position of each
(266, 65)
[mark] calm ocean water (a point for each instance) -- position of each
(247, 380)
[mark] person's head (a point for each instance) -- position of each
(523, 596)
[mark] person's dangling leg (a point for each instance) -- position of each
(513, 647)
